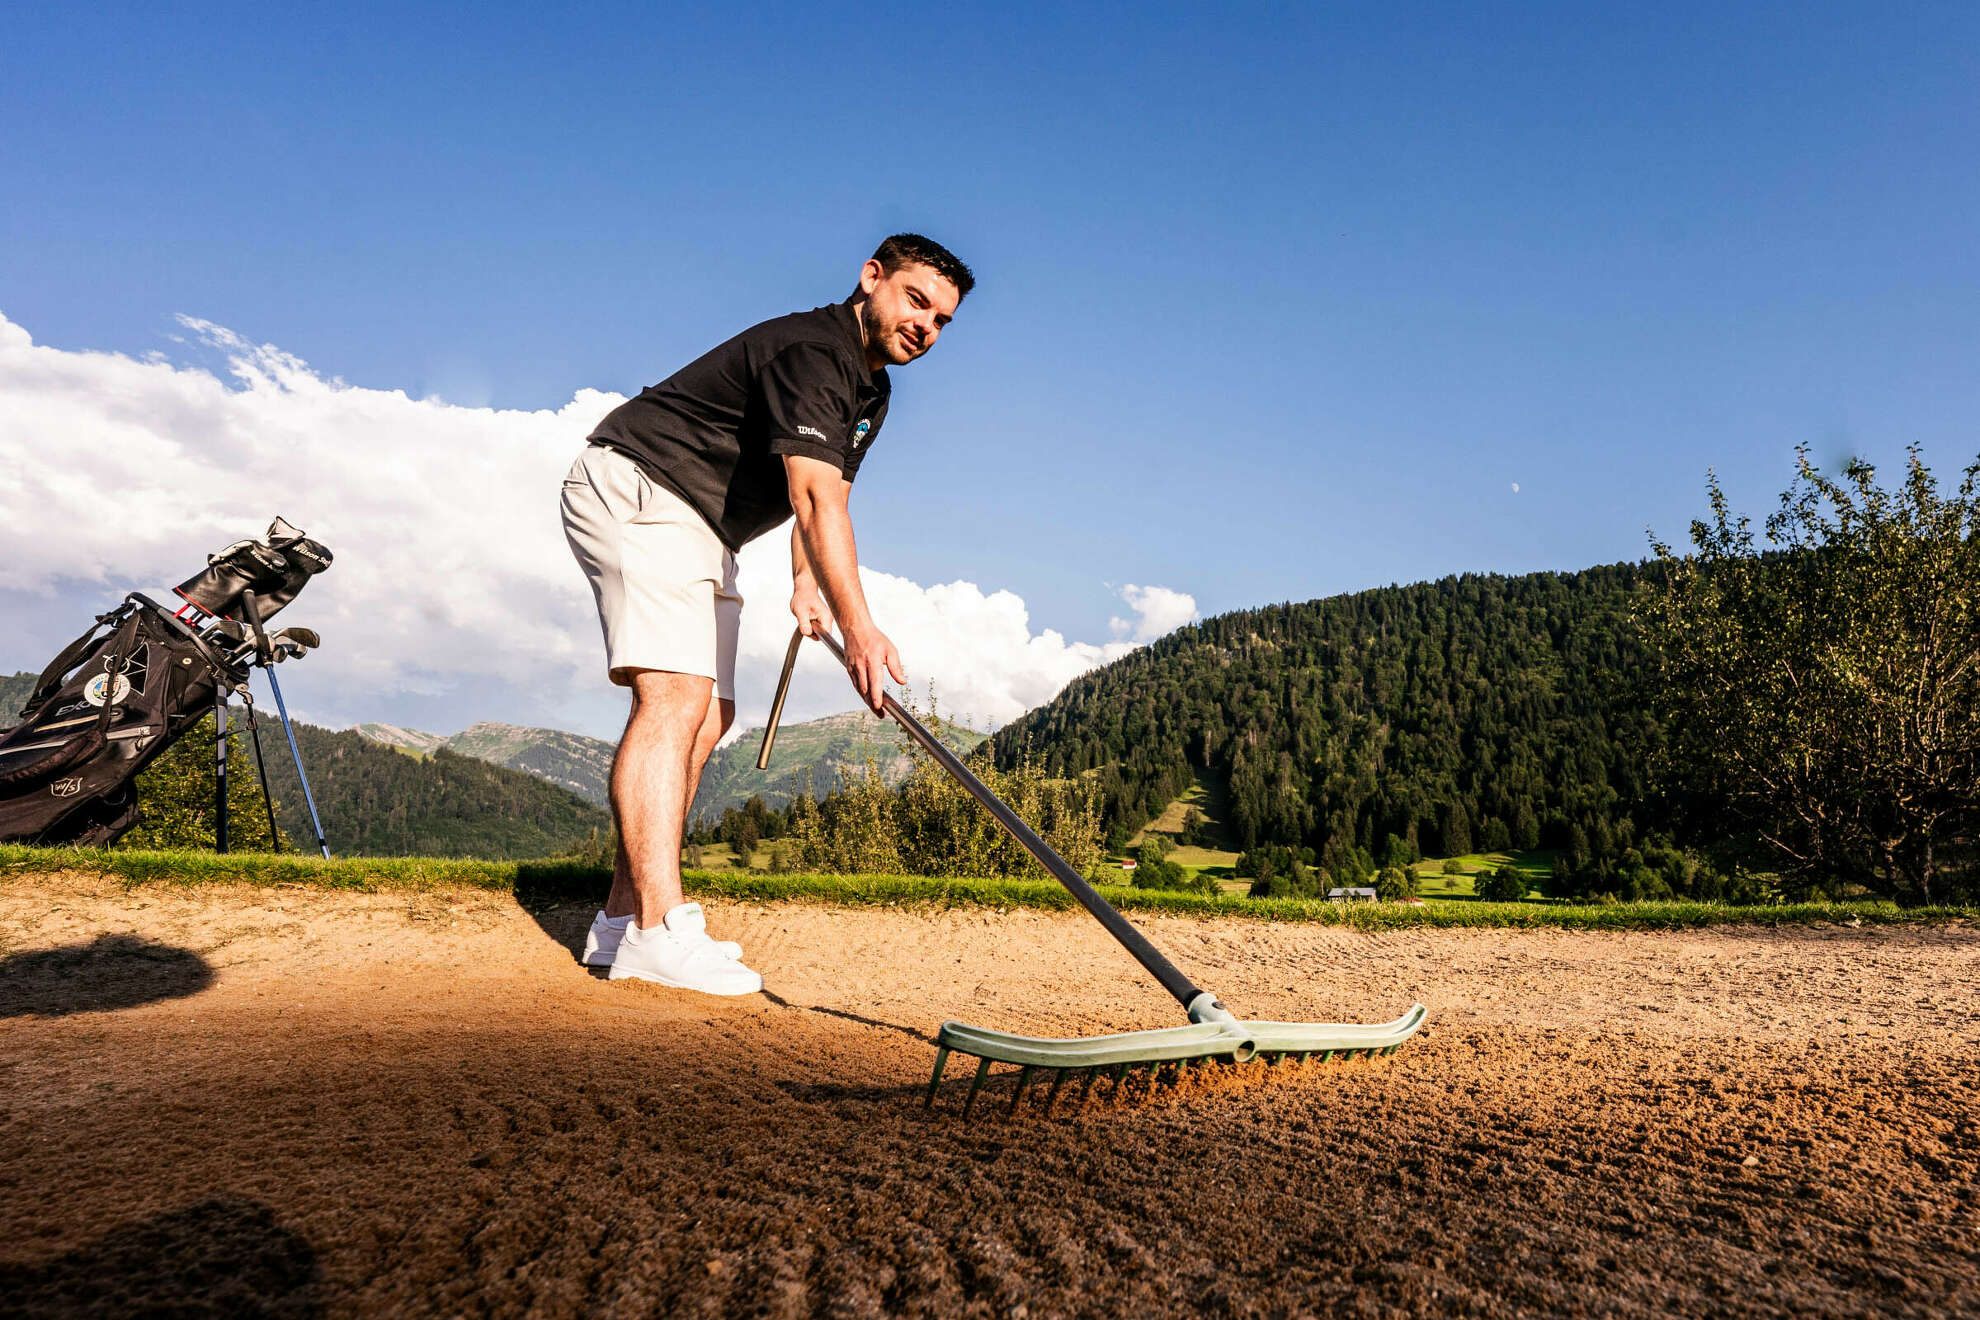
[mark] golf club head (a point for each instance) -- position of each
(302, 639)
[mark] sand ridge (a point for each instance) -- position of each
(294, 1102)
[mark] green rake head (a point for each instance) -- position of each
(1214, 1036)
(1218, 1040)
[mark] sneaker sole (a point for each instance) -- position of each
(627, 974)
(600, 958)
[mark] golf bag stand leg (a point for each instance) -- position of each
(282, 709)
(220, 768)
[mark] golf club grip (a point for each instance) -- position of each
(1106, 913)
(777, 706)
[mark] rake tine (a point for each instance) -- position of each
(1024, 1080)
(1086, 1084)
(1052, 1096)
(1120, 1078)
(1305, 1055)
(941, 1057)
(982, 1071)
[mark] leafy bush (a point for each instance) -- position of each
(930, 825)
(1824, 694)
(1272, 886)
(1393, 883)
(1154, 871)
(1503, 885)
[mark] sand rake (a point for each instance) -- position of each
(1214, 1038)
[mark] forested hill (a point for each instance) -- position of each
(15, 689)
(1470, 712)
(380, 803)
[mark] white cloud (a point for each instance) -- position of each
(1515, 487)
(1158, 611)
(452, 576)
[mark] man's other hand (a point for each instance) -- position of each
(809, 609)
(870, 658)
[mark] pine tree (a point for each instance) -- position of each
(177, 796)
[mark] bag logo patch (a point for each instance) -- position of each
(94, 689)
(66, 787)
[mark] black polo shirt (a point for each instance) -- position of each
(714, 431)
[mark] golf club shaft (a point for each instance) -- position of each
(220, 770)
(309, 799)
(777, 706)
(1117, 925)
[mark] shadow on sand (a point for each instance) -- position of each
(562, 897)
(108, 973)
(218, 1258)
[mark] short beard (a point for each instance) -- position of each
(875, 331)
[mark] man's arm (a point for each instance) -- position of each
(807, 606)
(824, 537)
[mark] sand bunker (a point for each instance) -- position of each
(292, 1103)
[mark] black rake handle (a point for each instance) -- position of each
(1117, 925)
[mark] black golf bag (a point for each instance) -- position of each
(124, 691)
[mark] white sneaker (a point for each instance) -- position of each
(679, 953)
(601, 942)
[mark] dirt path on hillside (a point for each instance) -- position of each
(294, 1103)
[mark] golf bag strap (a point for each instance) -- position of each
(93, 739)
(58, 668)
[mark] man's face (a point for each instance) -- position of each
(905, 310)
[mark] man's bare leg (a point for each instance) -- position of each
(654, 777)
(721, 714)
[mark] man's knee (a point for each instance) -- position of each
(661, 696)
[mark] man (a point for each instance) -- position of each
(771, 424)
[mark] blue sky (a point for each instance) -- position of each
(1274, 302)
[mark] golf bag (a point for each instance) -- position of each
(131, 686)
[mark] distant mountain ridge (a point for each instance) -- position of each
(815, 752)
(569, 760)
(412, 740)
(376, 802)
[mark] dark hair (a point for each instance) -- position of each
(914, 250)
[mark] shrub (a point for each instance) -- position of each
(1393, 883)
(1503, 885)
(930, 825)
(1153, 871)
(1272, 886)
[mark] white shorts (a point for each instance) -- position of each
(665, 584)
